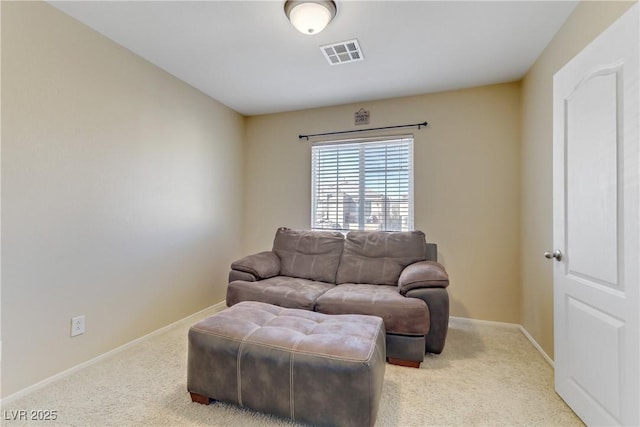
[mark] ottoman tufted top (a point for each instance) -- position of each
(345, 337)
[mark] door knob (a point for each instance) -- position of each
(555, 254)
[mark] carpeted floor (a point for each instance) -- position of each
(488, 375)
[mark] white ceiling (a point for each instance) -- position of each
(248, 56)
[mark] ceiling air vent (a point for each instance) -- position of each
(342, 52)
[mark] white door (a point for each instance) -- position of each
(596, 216)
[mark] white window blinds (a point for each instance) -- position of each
(364, 185)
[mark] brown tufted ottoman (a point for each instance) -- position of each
(311, 367)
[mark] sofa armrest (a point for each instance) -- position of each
(422, 274)
(261, 265)
(437, 300)
(242, 276)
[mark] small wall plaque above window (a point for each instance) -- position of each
(361, 117)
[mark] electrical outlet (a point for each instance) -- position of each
(77, 325)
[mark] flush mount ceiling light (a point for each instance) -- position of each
(310, 16)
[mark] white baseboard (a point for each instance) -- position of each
(545, 356)
(485, 322)
(521, 328)
(37, 386)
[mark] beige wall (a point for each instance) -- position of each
(588, 20)
(467, 188)
(121, 194)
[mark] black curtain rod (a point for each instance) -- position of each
(418, 125)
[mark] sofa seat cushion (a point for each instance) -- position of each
(289, 292)
(312, 255)
(401, 315)
(378, 257)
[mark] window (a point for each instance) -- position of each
(363, 185)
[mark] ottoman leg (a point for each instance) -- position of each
(198, 398)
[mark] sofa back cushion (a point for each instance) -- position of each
(378, 257)
(312, 255)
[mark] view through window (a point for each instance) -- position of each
(363, 185)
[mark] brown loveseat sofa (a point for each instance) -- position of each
(393, 275)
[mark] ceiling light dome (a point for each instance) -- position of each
(309, 16)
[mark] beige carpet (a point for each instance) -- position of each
(487, 375)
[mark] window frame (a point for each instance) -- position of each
(364, 144)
